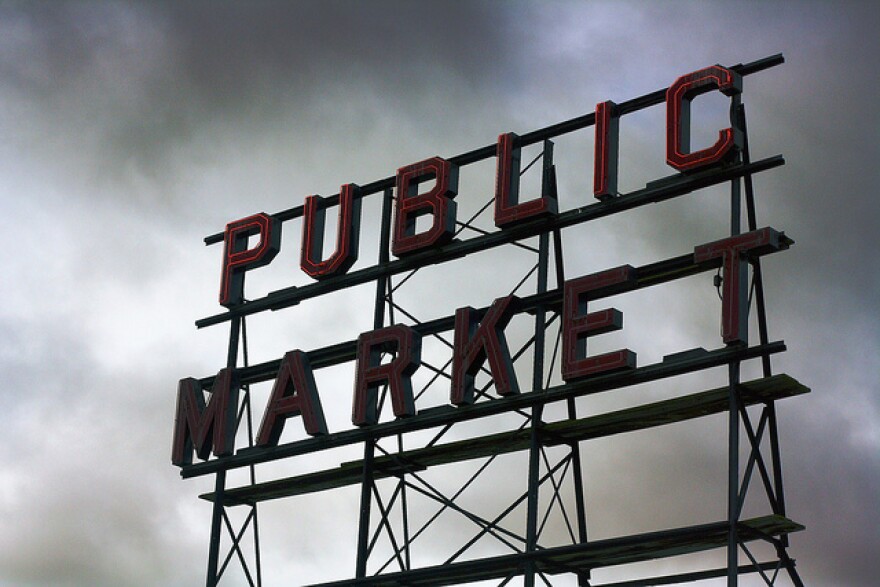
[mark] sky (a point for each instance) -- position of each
(130, 131)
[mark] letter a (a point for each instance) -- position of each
(293, 394)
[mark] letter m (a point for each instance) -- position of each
(203, 427)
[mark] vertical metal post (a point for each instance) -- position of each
(577, 468)
(216, 528)
(581, 507)
(220, 480)
(370, 444)
(532, 501)
(547, 190)
(404, 507)
(775, 456)
(735, 189)
(384, 257)
(252, 470)
(537, 412)
(366, 504)
(733, 382)
(763, 331)
(733, 476)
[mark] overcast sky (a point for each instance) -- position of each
(129, 131)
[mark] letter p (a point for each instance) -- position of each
(238, 258)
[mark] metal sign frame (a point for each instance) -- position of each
(549, 474)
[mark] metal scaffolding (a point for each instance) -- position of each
(392, 474)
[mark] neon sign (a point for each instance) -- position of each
(419, 227)
(479, 340)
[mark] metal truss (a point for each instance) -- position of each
(544, 475)
(740, 420)
(223, 524)
(392, 476)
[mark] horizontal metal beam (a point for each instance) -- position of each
(645, 276)
(693, 576)
(448, 414)
(564, 432)
(668, 188)
(582, 557)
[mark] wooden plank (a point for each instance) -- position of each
(567, 431)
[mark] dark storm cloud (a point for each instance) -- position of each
(815, 109)
(250, 62)
(200, 104)
(825, 291)
(108, 109)
(125, 87)
(228, 50)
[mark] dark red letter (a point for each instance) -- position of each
(734, 312)
(508, 210)
(474, 344)
(578, 325)
(294, 393)
(346, 235)
(605, 158)
(371, 372)
(678, 101)
(195, 423)
(237, 258)
(436, 202)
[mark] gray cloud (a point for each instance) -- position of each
(133, 129)
(123, 90)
